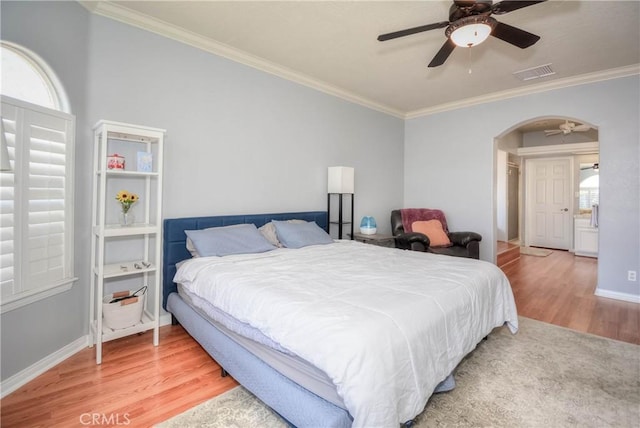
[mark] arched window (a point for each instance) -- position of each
(36, 180)
(25, 76)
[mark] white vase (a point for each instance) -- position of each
(127, 218)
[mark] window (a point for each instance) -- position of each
(589, 186)
(589, 192)
(26, 77)
(36, 192)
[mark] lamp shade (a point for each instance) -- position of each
(340, 179)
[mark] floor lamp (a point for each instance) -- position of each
(340, 182)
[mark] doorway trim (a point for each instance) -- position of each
(562, 149)
(548, 150)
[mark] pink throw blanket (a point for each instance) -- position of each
(409, 215)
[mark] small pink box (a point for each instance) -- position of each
(115, 161)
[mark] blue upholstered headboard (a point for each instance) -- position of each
(175, 240)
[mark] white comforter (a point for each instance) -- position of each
(385, 325)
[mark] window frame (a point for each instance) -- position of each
(21, 295)
(50, 78)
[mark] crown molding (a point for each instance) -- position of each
(90, 5)
(125, 15)
(582, 79)
(137, 19)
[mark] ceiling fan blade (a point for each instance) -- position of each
(511, 5)
(581, 128)
(515, 36)
(548, 133)
(443, 53)
(414, 30)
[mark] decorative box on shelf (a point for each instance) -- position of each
(115, 161)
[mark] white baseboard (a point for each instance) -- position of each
(633, 298)
(165, 319)
(21, 378)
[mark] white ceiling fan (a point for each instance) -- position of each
(567, 128)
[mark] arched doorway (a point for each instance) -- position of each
(537, 141)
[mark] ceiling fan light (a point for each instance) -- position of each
(470, 35)
(470, 31)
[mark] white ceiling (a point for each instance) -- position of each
(331, 45)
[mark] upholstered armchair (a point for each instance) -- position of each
(460, 244)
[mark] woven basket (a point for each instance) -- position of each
(122, 314)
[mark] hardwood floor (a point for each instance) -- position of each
(139, 385)
(559, 288)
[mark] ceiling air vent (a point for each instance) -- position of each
(534, 72)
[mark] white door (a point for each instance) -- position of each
(549, 202)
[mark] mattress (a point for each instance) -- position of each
(286, 363)
(386, 326)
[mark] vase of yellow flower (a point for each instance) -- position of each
(126, 199)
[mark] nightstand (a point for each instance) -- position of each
(376, 239)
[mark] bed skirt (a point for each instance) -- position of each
(295, 404)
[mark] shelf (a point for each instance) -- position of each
(116, 172)
(131, 138)
(340, 222)
(147, 323)
(125, 269)
(114, 261)
(135, 229)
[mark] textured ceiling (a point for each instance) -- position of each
(333, 46)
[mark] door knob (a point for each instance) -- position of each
(565, 209)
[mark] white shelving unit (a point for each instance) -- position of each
(118, 252)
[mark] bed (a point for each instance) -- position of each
(320, 335)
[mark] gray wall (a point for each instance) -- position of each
(451, 167)
(57, 32)
(238, 141)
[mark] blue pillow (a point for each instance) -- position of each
(298, 235)
(223, 241)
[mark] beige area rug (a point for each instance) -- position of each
(544, 376)
(531, 251)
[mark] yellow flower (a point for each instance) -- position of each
(126, 199)
(122, 196)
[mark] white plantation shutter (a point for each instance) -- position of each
(8, 237)
(37, 201)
